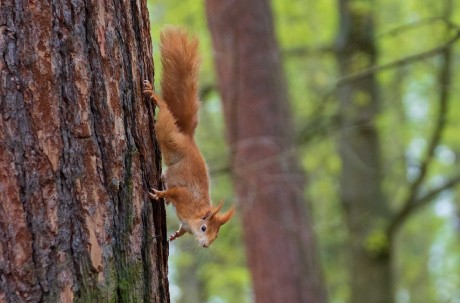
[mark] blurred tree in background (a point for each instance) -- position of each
(371, 221)
(372, 88)
(269, 184)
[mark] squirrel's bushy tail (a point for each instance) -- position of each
(180, 61)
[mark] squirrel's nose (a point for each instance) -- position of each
(205, 245)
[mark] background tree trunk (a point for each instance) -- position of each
(77, 155)
(281, 250)
(365, 206)
(372, 224)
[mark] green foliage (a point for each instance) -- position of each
(361, 7)
(377, 243)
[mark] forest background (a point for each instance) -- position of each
(416, 121)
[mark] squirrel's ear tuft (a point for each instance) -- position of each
(224, 218)
(215, 210)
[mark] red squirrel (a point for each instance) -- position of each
(186, 179)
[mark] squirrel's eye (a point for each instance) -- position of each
(203, 228)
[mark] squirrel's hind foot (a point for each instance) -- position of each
(148, 90)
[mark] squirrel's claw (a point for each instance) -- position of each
(157, 195)
(154, 195)
(174, 236)
(148, 89)
(177, 234)
(147, 85)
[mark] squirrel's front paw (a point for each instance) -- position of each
(174, 236)
(148, 87)
(155, 195)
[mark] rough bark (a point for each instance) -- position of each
(77, 155)
(365, 206)
(280, 244)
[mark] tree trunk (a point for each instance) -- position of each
(365, 206)
(77, 155)
(280, 244)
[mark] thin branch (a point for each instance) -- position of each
(400, 62)
(436, 137)
(408, 26)
(412, 202)
(429, 196)
(303, 51)
(424, 200)
(224, 169)
(319, 124)
(206, 90)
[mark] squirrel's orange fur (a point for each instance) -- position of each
(186, 179)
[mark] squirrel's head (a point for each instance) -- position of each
(207, 227)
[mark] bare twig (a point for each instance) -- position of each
(412, 203)
(320, 124)
(206, 90)
(223, 169)
(430, 195)
(400, 62)
(440, 124)
(408, 26)
(425, 199)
